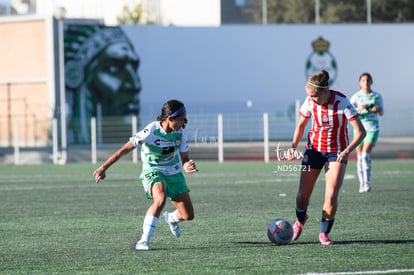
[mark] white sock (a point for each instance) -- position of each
(148, 227)
(366, 166)
(172, 216)
(360, 170)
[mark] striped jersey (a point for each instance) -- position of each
(161, 150)
(329, 133)
(368, 119)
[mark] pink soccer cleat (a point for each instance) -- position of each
(324, 239)
(297, 228)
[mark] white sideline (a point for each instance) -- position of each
(364, 272)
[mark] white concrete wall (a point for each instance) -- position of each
(267, 63)
(220, 69)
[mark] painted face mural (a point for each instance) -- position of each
(101, 72)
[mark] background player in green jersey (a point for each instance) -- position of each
(369, 105)
(164, 153)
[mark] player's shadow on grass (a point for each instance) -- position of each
(375, 242)
(267, 243)
(257, 244)
(335, 242)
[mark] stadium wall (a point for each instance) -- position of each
(242, 69)
(228, 69)
(25, 85)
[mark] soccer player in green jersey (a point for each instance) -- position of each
(369, 106)
(164, 153)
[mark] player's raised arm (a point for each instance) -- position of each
(99, 173)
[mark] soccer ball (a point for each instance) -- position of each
(280, 231)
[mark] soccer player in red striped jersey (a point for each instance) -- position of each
(328, 147)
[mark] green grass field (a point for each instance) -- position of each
(55, 219)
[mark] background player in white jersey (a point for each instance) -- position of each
(164, 153)
(328, 146)
(369, 105)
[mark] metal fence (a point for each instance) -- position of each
(202, 131)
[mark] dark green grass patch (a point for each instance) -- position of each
(55, 219)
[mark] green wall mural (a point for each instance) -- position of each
(101, 69)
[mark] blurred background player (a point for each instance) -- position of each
(164, 153)
(369, 105)
(328, 146)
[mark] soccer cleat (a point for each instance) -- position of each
(361, 187)
(142, 245)
(368, 187)
(297, 228)
(324, 239)
(174, 227)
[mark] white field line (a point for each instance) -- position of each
(389, 271)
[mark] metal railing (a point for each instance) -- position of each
(211, 135)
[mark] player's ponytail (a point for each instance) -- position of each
(319, 81)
